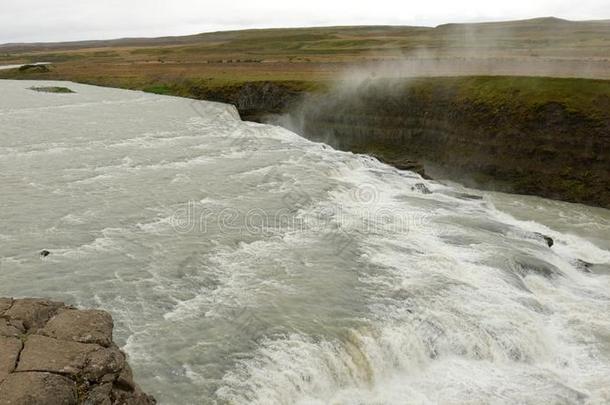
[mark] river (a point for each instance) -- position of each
(244, 264)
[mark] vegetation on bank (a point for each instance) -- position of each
(226, 89)
(584, 95)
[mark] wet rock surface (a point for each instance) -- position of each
(547, 239)
(422, 188)
(584, 266)
(51, 353)
(35, 68)
(403, 164)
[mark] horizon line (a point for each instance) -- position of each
(126, 38)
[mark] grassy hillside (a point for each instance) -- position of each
(540, 47)
(541, 37)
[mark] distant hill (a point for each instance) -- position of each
(184, 65)
(542, 34)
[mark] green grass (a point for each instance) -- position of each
(543, 37)
(586, 96)
(575, 94)
(162, 89)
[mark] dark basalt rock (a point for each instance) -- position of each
(583, 266)
(35, 68)
(403, 164)
(466, 196)
(52, 89)
(549, 241)
(421, 187)
(51, 354)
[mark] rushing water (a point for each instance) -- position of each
(244, 264)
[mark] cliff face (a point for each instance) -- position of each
(540, 136)
(52, 354)
(255, 100)
(489, 133)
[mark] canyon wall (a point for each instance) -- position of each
(541, 136)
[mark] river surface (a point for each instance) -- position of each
(244, 264)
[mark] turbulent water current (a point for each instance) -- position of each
(244, 264)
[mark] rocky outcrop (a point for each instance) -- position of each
(402, 163)
(52, 89)
(547, 239)
(34, 69)
(255, 100)
(52, 354)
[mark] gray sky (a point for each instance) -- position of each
(60, 20)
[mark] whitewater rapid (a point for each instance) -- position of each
(244, 264)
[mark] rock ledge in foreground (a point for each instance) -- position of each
(53, 354)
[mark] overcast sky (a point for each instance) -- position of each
(60, 20)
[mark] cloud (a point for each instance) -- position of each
(58, 20)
